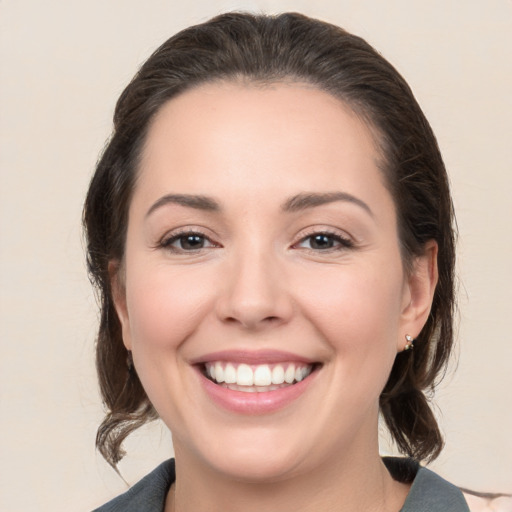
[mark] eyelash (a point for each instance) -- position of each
(167, 243)
(335, 238)
(342, 243)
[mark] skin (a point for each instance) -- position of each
(259, 282)
(496, 504)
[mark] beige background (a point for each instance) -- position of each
(63, 64)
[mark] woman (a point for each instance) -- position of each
(271, 232)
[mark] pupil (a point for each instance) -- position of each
(321, 242)
(192, 242)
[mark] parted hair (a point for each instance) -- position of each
(268, 49)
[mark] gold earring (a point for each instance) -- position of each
(410, 342)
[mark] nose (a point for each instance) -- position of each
(255, 293)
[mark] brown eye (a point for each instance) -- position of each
(325, 242)
(187, 242)
(321, 242)
(191, 242)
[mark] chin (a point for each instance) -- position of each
(256, 466)
(253, 455)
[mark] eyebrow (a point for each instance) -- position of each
(310, 200)
(197, 202)
(296, 203)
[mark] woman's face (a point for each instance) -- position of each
(264, 296)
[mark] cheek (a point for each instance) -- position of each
(165, 305)
(357, 310)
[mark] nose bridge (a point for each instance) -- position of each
(255, 292)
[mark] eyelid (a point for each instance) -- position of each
(166, 241)
(346, 241)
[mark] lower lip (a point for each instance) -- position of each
(258, 402)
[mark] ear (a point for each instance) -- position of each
(117, 285)
(419, 292)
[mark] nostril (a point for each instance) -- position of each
(252, 322)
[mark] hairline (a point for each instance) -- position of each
(354, 107)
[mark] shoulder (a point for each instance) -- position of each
(147, 495)
(429, 492)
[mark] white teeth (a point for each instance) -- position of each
(261, 377)
(244, 375)
(289, 374)
(278, 374)
(218, 372)
(230, 374)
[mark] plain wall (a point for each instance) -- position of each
(63, 64)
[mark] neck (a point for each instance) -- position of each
(347, 484)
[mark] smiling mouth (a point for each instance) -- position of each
(256, 378)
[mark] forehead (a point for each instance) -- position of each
(231, 136)
(275, 105)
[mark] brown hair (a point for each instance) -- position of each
(261, 48)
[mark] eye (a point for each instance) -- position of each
(325, 242)
(187, 242)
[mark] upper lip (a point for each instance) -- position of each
(252, 357)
